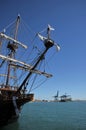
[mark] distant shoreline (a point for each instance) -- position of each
(75, 100)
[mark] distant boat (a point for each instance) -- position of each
(62, 98)
(65, 98)
(15, 73)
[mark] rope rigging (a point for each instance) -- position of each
(41, 83)
(4, 30)
(27, 56)
(35, 77)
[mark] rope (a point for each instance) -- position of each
(34, 78)
(33, 83)
(43, 30)
(28, 53)
(4, 30)
(40, 84)
(27, 26)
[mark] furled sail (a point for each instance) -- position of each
(26, 66)
(10, 38)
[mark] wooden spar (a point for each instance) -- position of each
(16, 61)
(33, 71)
(5, 75)
(26, 66)
(14, 40)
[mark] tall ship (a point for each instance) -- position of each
(21, 64)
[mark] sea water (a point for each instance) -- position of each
(51, 116)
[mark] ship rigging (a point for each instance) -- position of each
(18, 65)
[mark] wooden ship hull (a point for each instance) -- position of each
(10, 107)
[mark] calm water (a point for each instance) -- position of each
(51, 116)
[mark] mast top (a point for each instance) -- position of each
(48, 42)
(18, 16)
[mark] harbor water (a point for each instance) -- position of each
(51, 116)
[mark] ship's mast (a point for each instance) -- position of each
(17, 25)
(29, 74)
(48, 44)
(12, 46)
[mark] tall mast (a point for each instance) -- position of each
(17, 25)
(12, 47)
(48, 44)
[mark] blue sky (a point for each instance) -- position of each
(68, 17)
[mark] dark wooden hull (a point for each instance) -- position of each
(7, 109)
